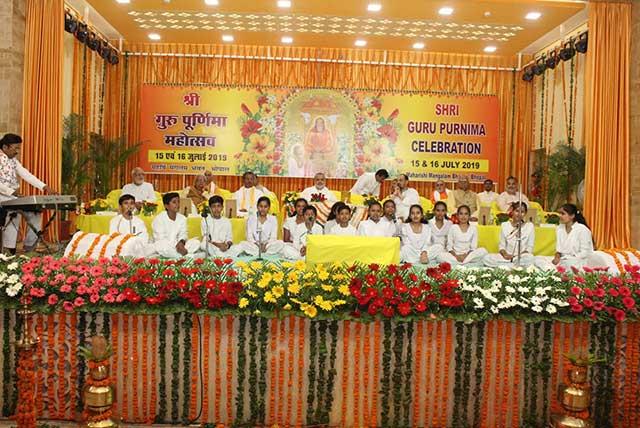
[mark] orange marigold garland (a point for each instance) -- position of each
(62, 333)
(356, 375)
(217, 340)
(613, 254)
(500, 355)
(153, 400)
(73, 356)
(345, 371)
(272, 372)
(229, 368)
(93, 246)
(365, 376)
(51, 362)
(281, 391)
(135, 404)
(301, 371)
(115, 323)
(290, 365)
(195, 355)
(76, 242)
(146, 319)
(555, 367)
(439, 390)
(515, 386)
(41, 377)
(446, 362)
(489, 348)
(113, 236)
(377, 341)
(26, 404)
(121, 244)
(206, 354)
(125, 367)
(417, 373)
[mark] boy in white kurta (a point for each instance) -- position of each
(262, 232)
(462, 242)
(297, 250)
(126, 223)
(374, 226)
(416, 239)
(170, 231)
(389, 217)
(509, 238)
(217, 236)
(342, 226)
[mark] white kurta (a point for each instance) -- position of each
(574, 247)
(135, 226)
(167, 233)
(506, 199)
(394, 226)
(450, 200)
(247, 198)
(366, 185)
(299, 234)
(403, 202)
(439, 236)
(266, 233)
(461, 243)
(486, 199)
(509, 243)
(217, 230)
(414, 244)
(382, 228)
(306, 193)
(142, 192)
(338, 230)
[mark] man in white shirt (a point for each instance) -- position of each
(488, 197)
(11, 172)
(126, 223)
(139, 189)
(374, 226)
(216, 231)
(404, 196)
(320, 188)
(441, 193)
(297, 249)
(210, 183)
(369, 183)
(511, 195)
(170, 230)
(247, 196)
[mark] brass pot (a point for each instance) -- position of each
(564, 421)
(575, 398)
(98, 398)
(99, 373)
(578, 374)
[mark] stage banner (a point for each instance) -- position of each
(298, 132)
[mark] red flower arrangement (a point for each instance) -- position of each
(318, 197)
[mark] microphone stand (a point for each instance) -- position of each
(259, 230)
(519, 227)
(208, 235)
(131, 231)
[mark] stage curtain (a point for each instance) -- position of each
(339, 68)
(42, 106)
(607, 123)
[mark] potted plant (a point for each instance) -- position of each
(565, 172)
(104, 154)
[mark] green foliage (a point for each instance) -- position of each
(75, 160)
(565, 170)
(105, 154)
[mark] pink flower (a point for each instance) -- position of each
(588, 302)
(28, 279)
(598, 306)
(624, 291)
(577, 308)
(78, 302)
(53, 299)
(82, 290)
(576, 290)
(109, 298)
(121, 281)
(628, 302)
(619, 315)
(94, 298)
(67, 306)
(65, 288)
(72, 279)
(96, 271)
(36, 292)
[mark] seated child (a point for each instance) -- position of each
(417, 244)
(462, 241)
(509, 237)
(170, 230)
(374, 226)
(389, 216)
(217, 238)
(297, 218)
(297, 249)
(331, 219)
(126, 223)
(440, 225)
(262, 232)
(343, 227)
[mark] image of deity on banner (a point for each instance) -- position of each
(319, 125)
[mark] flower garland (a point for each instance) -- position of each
(466, 379)
(241, 368)
(488, 359)
(290, 365)
(313, 341)
(281, 391)
(154, 367)
(161, 414)
(356, 374)
(386, 371)
(417, 385)
(345, 370)
(206, 355)
(40, 382)
(175, 357)
(376, 372)
(253, 369)
(195, 354)
(613, 254)
(51, 385)
(322, 358)
(333, 336)
(546, 367)
(229, 367)
(76, 242)
(480, 372)
(517, 365)
(121, 244)
(500, 356)
(365, 375)
(218, 379)
(447, 357)
(263, 339)
(301, 347)
(146, 330)
(6, 369)
(125, 366)
(113, 236)
(396, 377)
(187, 325)
(408, 375)
(26, 404)
(135, 406)
(62, 326)
(273, 382)
(93, 246)
(457, 388)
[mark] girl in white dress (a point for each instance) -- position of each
(574, 242)
(509, 237)
(331, 219)
(462, 242)
(297, 250)
(262, 232)
(440, 225)
(416, 239)
(291, 222)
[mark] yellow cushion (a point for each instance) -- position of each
(337, 194)
(224, 193)
(352, 249)
(357, 199)
(426, 204)
(113, 197)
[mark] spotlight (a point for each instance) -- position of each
(527, 75)
(105, 50)
(583, 41)
(567, 52)
(540, 66)
(70, 23)
(82, 32)
(552, 60)
(114, 58)
(93, 41)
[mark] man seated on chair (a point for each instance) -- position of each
(511, 195)
(126, 223)
(441, 193)
(216, 231)
(247, 196)
(139, 189)
(488, 196)
(170, 230)
(463, 196)
(210, 184)
(404, 196)
(197, 192)
(369, 183)
(11, 172)
(374, 225)
(297, 249)
(319, 188)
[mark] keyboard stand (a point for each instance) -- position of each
(40, 233)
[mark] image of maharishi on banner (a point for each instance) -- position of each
(298, 132)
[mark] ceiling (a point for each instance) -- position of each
(473, 25)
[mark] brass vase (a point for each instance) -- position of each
(99, 399)
(575, 398)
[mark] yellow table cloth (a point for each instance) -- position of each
(100, 224)
(351, 249)
(489, 238)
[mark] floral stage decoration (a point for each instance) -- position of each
(289, 201)
(149, 208)
(97, 205)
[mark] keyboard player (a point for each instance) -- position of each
(11, 172)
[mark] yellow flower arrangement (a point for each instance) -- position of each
(243, 303)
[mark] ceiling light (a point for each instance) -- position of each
(123, 1)
(487, 14)
(287, 39)
(154, 36)
(418, 45)
(490, 49)
(284, 3)
(227, 38)
(211, 2)
(445, 11)
(532, 16)
(361, 43)
(374, 7)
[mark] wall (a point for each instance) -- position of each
(634, 127)
(12, 15)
